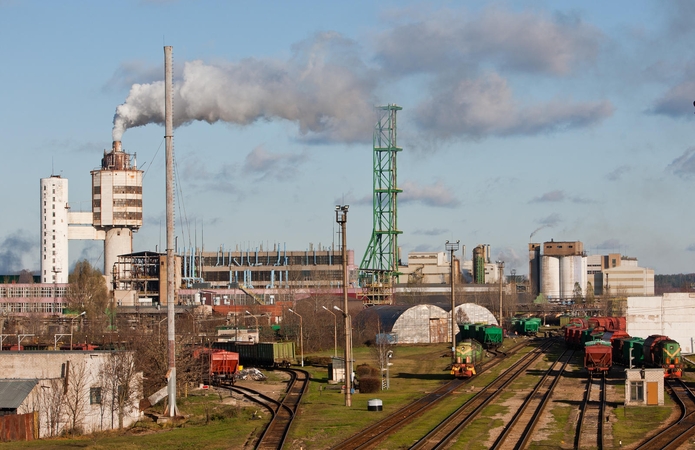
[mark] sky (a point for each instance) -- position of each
(522, 121)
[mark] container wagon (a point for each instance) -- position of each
(627, 351)
(261, 354)
(490, 336)
(598, 357)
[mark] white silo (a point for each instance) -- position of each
(116, 204)
(54, 229)
(550, 277)
(572, 272)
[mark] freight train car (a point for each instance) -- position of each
(526, 326)
(489, 336)
(220, 366)
(468, 353)
(261, 354)
(627, 351)
(598, 357)
(661, 351)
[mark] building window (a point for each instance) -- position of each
(95, 396)
(636, 391)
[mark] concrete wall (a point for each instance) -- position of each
(672, 315)
(50, 368)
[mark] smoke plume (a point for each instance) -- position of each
(323, 88)
(15, 250)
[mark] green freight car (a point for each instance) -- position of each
(526, 326)
(489, 336)
(261, 354)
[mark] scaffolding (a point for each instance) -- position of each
(379, 267)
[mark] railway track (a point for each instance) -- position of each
(448, 430)
(679, 432)
(372, 435)
(589, 432)
(282, 411)
(518, 432)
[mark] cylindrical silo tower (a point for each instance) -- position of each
(117, 204)
(54, 229)
(550, 277)
(479, 264)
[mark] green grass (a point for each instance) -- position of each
(635, 422)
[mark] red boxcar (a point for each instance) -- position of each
(598, 357)
(223, 364)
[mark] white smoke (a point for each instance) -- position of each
(324, 89)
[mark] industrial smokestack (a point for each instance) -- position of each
(116, 147)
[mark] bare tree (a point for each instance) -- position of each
(77, 381)
(121, 383)
(51, 399)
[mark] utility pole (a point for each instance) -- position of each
(451, 247)
(341, 218)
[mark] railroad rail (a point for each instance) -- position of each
(282, 411)
(592, 412)
(679, 432)
(372, 435)
(519, 430)
(450, 428)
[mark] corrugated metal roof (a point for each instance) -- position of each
(13, 392)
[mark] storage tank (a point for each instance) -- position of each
(550, 277)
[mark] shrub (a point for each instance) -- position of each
(365, 370)
(369, 384)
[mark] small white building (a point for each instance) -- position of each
(644, 387)
(86, 390)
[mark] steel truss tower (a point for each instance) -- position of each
(379, 267)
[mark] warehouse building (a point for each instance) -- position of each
(672, 315)
(421, 324)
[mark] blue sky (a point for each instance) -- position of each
(566, 120)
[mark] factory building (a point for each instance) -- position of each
(54, 229)
(116, 204)
(670, 315)
(427, 268)
(116, 214)
(564, 270)
(268, 269)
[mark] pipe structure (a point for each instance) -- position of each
(171, 270)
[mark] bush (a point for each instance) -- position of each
(365, 370)
(369, 384)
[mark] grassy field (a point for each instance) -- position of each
(324, 421)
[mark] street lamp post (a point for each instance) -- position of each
(500, 266)
(301, 334)
(256, 319)
(341, 218)
(451, 247)
(335, 331)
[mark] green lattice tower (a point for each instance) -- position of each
(379, 267)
